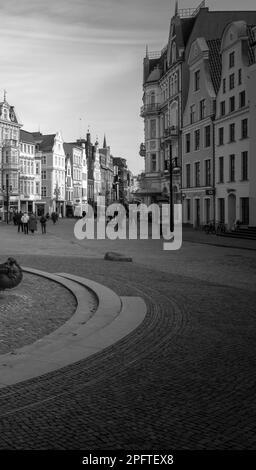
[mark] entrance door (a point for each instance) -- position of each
(207, 211)
(221, 210)
(197, 221)
(245, 210)
(231, 210)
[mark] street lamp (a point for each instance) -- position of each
(57, 194)
(172, 168)
(8, 189)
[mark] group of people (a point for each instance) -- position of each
(28, 222)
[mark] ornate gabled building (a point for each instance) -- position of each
(166, 78)
(75, 154)
(30, 175)
(204, 63)
(9, 160)
(235, 145)
(49, 148)
(107, 173)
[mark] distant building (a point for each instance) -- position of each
(69, 194)
(75, 154)
(107, 173)
(51, 152)
(120, 179)
(30, 175)
(9, 159)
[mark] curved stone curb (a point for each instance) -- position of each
(79, 337)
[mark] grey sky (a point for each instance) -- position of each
(62, 60)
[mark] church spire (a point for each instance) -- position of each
(176, 7)
(104, 142)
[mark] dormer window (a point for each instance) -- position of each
(5, 113)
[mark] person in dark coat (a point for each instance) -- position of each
(19, 222)
(43, 220)
(32, 223)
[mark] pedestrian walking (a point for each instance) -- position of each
(43, 223)
(19, 223)
(54, 217)
(32, 223)
(24, 220)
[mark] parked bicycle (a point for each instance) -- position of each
(209, 227)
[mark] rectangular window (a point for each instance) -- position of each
(232, 81)
(232, 132)
(242, 99)
(244, 128)
(222, 108)
(152, 129)
(43, 191)
(245, 210)
(153, 162)
(231, 168)
(221, 169)
(207, 172)
(37, 168)
(240, 77)
(207, 136)
(188, 209)
(187, 143)
(207, 210)
(244, 169)
(231, 104)
(44, 160)
(221, 135)
(197, 174)
(192, 114)
(231, 60)
(43, 174)
(197, 80)
(37, 188)
(202, 109)
(197, 139)
(224, 85)
(188, 181)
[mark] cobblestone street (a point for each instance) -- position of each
(184, 379)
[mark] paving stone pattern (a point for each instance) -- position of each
(32, 310)
(184, 379)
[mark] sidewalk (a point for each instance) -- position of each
(198, 236)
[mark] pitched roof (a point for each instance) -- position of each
(27, 137)
(251, 44)
(45, 142)
(155, 75)
(215, 62)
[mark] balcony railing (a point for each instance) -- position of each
(10, 166)
(151, 108)
(10, 143)
(171, 133)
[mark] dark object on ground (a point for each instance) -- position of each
(10, 274)
(112, 256)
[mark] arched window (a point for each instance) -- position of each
(174, 114)
(152, 97)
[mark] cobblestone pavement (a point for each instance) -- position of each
(32, 310)
(184, 379)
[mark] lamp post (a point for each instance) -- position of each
(57, 194)
(8, 189)
(171, 202)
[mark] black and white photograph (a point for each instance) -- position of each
(127, 233)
